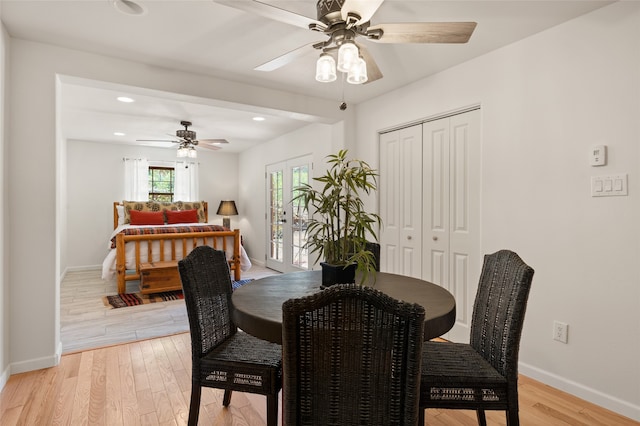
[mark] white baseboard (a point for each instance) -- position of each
(625, 408)
(79, 268)
(35, 364)
(258, 262)
(82, 268)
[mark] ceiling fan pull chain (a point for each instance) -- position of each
(343, 104)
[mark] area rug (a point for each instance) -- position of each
(134, 299)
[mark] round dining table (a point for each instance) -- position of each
(257, 306)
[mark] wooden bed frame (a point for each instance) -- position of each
(175, 240)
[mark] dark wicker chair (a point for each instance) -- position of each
(351, 356)
(482, 375)
(221, 356)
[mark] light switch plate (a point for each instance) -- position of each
(609, 186)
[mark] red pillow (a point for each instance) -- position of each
(183, 216)
(138, 217)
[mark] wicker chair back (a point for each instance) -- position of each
(351, 356)
(206, 284)
(222, 357)
(482, 375)
(498, 310)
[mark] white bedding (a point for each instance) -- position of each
(109, 264)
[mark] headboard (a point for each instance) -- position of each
(177, 205)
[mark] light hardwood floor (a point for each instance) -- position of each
(148, 383)
(147, 380)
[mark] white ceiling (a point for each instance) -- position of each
(210, 38)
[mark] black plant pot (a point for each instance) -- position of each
(338, 274)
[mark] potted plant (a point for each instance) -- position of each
(338, 228)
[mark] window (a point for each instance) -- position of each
(161, 183)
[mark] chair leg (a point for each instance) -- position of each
(272, 410)
(227, 398)
(421, 417)
(482, 420)
(194, 407)
(512, 417)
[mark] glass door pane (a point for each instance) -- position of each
(276, 216)
(299, 253)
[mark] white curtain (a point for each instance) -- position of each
(186, 185)
(136, 179)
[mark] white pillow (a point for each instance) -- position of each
(120, 210)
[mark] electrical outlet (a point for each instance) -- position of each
(560, 331)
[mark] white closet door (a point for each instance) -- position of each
(400, 192)
(451, 223)
(435, 187)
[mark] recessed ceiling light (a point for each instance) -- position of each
(258, 118)
(125, 99)
(118, 133)
(128, 7)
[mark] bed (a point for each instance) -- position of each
(136, 241)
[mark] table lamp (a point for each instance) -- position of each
(226, 209)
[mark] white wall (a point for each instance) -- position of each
(545, 101)
(95, 179)
(318, 140)
(37, 246)
(4, 219)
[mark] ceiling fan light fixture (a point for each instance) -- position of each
(183, 152)
(326, 68)
(192, 153)
(358, 72)
(347, 55)
(186, 134)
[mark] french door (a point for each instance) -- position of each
(286, 221)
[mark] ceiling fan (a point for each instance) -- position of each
(344, 21)
(187, 141)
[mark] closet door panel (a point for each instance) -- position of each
(464, 237)
(435, 187)
(389, 187)
(401, 201)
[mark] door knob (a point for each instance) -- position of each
(435, 238)
(408, 237)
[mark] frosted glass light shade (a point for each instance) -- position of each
(187, 152)
(347, 55)
(325, 69)
(358, 72)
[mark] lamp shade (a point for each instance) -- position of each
(227, 208)
(358, 72)
(326, 68)
(347, 55)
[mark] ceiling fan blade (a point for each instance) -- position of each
(213, 141)
(373, 72)
(157, 140)
(270, 11)
(363, 8)
(285, 59)
(425, 32)
(209, 147)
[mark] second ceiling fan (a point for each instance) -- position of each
(344, 21)
(186, 140)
